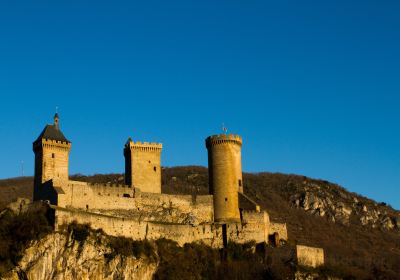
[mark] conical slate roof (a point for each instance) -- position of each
(51, 132)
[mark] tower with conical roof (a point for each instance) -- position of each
(51, 150)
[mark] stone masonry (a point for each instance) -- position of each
(139, 210)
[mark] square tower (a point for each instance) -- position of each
(51, 150)
(143, 166)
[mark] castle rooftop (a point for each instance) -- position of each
(223, 138)
(52, 132)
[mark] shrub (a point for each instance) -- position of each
(17, 231)
(79, 232)
(128, 247)
(198, 261)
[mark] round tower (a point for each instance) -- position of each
(225, 175)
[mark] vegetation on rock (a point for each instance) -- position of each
(17, 231)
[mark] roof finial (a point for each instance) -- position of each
(56, 119)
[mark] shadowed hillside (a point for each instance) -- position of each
(361, 237)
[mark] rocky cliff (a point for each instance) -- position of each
(337, 205)
(61, 256)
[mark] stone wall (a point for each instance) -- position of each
(279, 228)
(124, 201)
(309, 256)
(209, 233)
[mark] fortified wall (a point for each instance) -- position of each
(212, 234)
(128, 202)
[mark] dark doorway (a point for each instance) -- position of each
(224, 236)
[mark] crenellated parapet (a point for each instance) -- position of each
(223, 139)
(53, 144)
(143, 146)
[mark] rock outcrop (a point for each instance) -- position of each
(328, 200)
(59, 256)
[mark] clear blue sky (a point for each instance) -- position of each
(312, 86)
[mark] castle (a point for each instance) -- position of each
(139, 210)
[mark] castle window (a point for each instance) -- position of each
(240, 182)
(87, 207)
(126, 195)
(53, 155)
(155, 169)
(226, 199)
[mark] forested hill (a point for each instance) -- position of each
(360, 236)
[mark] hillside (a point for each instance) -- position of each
(360, 236)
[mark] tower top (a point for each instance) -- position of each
(130, 144)
(223, 139)
(53, 132)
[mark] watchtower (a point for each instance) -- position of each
(51, 150)
(225, 175)
(143, 165)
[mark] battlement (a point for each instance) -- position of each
(143, 146)
(49, 143)
(71, 183)
(223, 139)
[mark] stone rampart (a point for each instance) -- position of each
(309, 256)
(124, 201)
(209, 233)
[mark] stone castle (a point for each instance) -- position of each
(139, 210)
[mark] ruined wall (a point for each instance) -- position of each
(309, 256)
(124, 201)
(208, 233)
(143, 166)
(279, 228)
